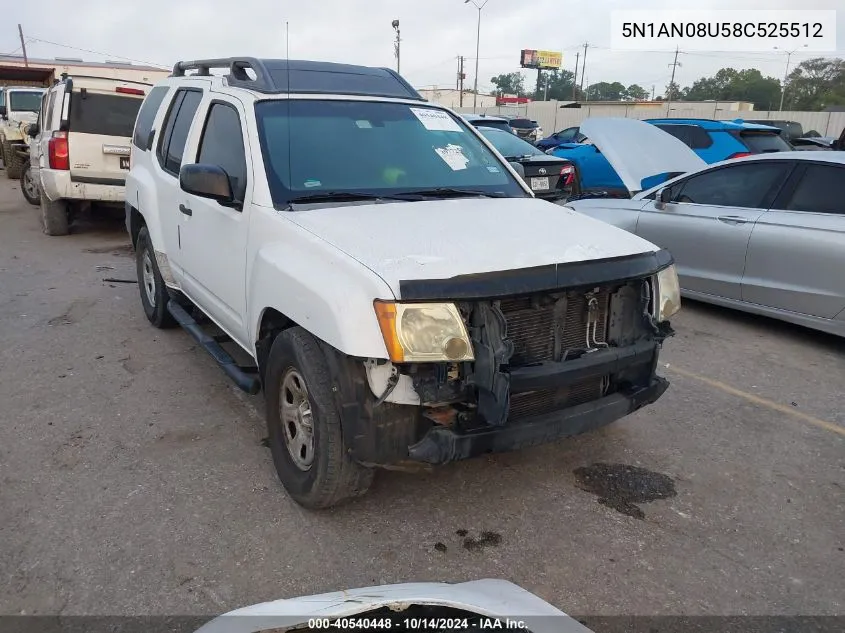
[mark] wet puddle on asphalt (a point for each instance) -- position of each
(621, 487)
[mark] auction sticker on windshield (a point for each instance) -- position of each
(454, 156)
(436, 120)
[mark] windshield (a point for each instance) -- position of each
(509, 145)
(761, 142)
(24, 101)
(314, 147)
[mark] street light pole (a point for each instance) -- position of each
(477, 50)
(786, 74)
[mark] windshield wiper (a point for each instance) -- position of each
(344, 196)
(449, 192)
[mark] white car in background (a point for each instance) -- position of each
(80, 151)
(763, 233)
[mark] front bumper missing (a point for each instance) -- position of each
(441, 444)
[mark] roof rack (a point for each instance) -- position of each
(276, 76)
(237, 70)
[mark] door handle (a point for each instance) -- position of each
(185, 210)
(732, 219)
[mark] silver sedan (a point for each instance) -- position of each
(764, 234)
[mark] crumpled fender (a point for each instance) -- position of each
(320, 288)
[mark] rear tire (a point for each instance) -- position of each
(29, 187)
(12, 161)
(303, 425)
(154, 295)
(54, 215)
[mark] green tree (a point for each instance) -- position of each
(729, 84)
(816, 84)
(509, 84)
(673, 91)
(604, 91)
(560, 84)
(635, 93)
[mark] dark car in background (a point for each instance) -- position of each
(526, 129)
(568, 135)
(477, 120)
(550, 178)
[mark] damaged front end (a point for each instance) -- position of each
(547, 363)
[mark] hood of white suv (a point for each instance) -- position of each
(440, 239)
(638, 150)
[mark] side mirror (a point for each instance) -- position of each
(206, 181)
(662, 197)
(32, 130)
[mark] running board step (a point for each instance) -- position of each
(239, 375)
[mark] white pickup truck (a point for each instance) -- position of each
(401, 293)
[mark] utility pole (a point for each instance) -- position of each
(652, 92)
(461, 78)
(674, 65)
(575, 77)
(395, 25)
(23, 46)
(786, 74)
(584, 66)
(477, 49)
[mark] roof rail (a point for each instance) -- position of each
(118, 79)
(237, 70)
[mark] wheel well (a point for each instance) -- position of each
(272, 324)
(136, 221)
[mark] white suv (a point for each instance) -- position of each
(18, 108)
(80, 153)
(401, 293)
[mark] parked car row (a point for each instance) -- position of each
(764, 233)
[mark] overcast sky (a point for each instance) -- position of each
(434, 33)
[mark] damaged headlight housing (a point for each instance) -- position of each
(423, 332)
(668, 293)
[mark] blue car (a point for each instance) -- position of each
(712, 141)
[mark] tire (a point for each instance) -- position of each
(297, 372)
(154, 295)
(12, 161)
(54, 215)
(29, 187)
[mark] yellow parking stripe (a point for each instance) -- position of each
(763, 402)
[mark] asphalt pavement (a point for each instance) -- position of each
(134, 479)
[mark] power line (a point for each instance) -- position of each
(107, 55)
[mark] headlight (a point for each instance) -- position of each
(668, 293)
(423, 332)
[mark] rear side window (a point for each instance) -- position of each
(222, 144)
(177, 124)
(147, 115)
(106, 114)
(747, 185)
(692, 136)
(761, 142)
(820, 190)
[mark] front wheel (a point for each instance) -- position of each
(303, 425)
(29, 187)
(154, 295)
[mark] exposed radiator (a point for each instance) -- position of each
(532, 322)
